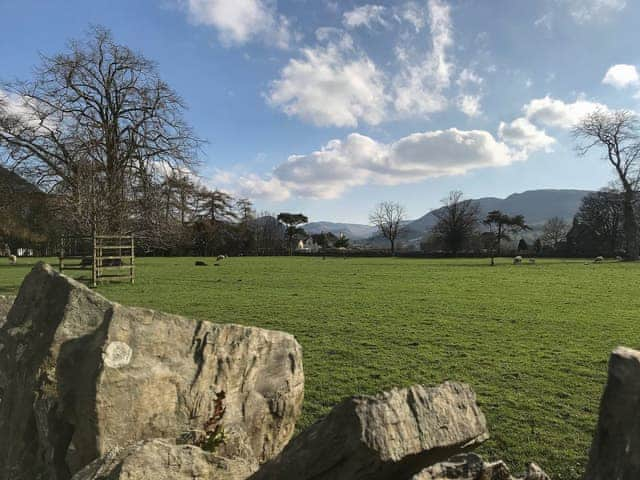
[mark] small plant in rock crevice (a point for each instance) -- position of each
(213, 429)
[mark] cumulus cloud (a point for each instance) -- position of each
(360, 160)
(241, 21)
(585, 11)
(333, 84)
(419, 87)
(524, 136)
(470, 105)
(365, 15)
(622, 76)
(553, 112)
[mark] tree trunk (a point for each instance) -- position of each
(630, 225)
(393, 247)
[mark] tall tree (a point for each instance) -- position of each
(457, 221)
(292, 221)
(501, 226)
(387, 217)
(270, 234)
(246, 223)
(217, 206)
(598, 225)
(91, 123)
(555, 231)
(618, 134)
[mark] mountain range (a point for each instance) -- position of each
(537, 206)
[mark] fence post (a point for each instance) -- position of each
(132, 261)
(94, 263)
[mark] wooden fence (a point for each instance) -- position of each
(109, 257)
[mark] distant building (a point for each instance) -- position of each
(307, 246)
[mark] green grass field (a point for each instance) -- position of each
(533, 340)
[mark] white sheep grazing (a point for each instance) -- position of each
(619, 258)
(13, 259)
(532, 260)
(221, 257)
(599, 259)
(517, 260)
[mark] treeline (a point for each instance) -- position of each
(597, 229)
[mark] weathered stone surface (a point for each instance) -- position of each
(471, 467)
(388, 436)
(615, 451)
(6, 301)
(164, 460)
(85, 375)
(460, 467)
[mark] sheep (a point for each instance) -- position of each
(619, 258)
(532, 261)
(599, 259)
(13, 259)
(221, 257)
(517, 260)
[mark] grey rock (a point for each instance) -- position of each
(460, 467)
(6, 302)
(615, 451)
(471, 467)
(84, 375)
(388, 436)
(160, 459)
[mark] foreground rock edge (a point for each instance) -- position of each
(82, 375)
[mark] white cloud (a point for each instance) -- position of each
(419, 87)
(557, 113)
(470, 105)
(622, 76)
(469, 77)
(241, 21)
(365, 15)
(524, 136)
(360, 160)
(268, 189)
(331, 85)
(414, 14)
(25, 110)
(585, 11)
(468, 102)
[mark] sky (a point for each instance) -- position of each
(328, 107)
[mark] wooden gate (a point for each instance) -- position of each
(111, 257)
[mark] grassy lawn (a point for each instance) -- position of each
(533, 340)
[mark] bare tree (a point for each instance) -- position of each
(618, 133)
(457, 221)
(92, 125)
(554, 231)
(387, 218)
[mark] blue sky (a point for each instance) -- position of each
(328, 107)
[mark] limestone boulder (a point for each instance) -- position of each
(615, 451)
(470, 466)
(160, 459)
(6, 302)
(388, 436)
(84, 375)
